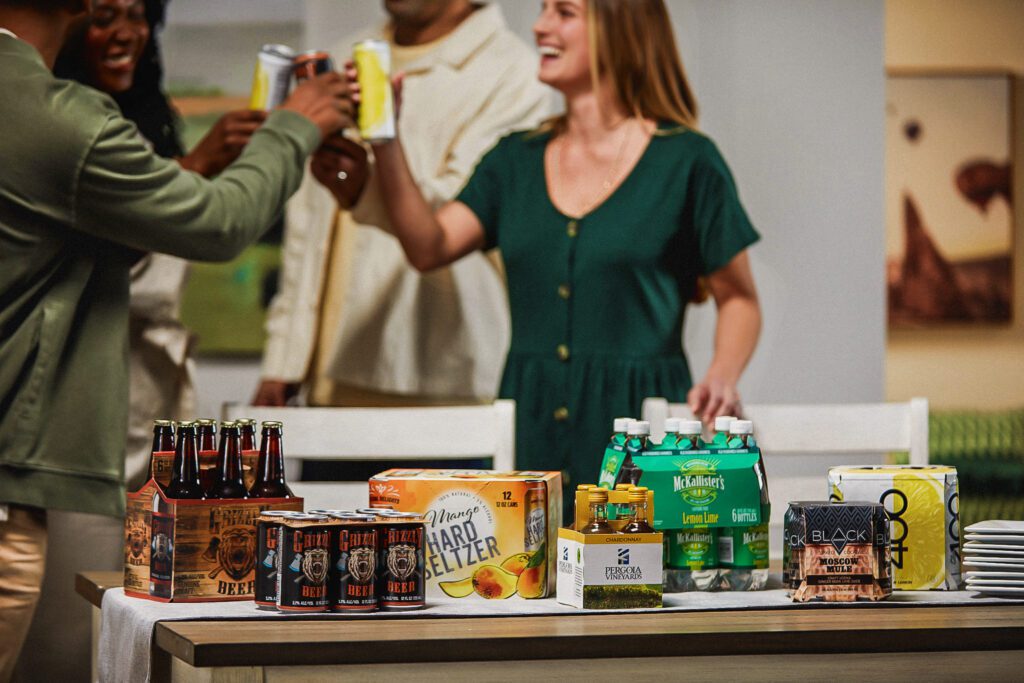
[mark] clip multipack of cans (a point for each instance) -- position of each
(712, 499)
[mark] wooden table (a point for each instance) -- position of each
(924, 644)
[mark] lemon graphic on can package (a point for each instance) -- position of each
(924, 557)
(373, 83)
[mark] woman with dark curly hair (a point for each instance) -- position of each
(117, 52)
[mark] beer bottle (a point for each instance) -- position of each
(637, 523)
(638, 435)
(270, 481)
(185, 478)
(162, 455)
(206, 432)
(228, 482)
(598, 519)
(250, 451)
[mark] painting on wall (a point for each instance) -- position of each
(949, 199)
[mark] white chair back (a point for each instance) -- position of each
(801, 442)
(408, 435)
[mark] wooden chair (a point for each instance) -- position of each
(408, 435)
(801, 442)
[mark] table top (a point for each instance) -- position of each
(583, 636)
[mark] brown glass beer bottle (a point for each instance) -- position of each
(185, 478)
(270, 479)
(250, 450)
(162, 455)
(228, 481)
(206, 432)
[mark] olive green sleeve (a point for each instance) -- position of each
(129, 195)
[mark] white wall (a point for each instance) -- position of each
(793, 93)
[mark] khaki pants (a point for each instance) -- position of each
(22, 559)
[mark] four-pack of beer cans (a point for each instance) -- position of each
(340, 560)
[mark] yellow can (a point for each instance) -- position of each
(377, 104)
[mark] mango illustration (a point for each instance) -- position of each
(531, 582)
(494, 583)
(516, 563)
(457, 589)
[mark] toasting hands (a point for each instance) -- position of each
(341, 165)
(224, 142)
(325, 100)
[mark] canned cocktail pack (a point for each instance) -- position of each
(924, 519)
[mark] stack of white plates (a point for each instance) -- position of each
(994, 557)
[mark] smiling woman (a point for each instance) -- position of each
(606, 218)
(114, 43)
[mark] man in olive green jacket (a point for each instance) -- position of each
(80, 196)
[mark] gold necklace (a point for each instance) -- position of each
(609, 180)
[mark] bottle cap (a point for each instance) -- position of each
(620, 424)
(722, 422)
(584, 487)
(639, 428)
(637, 495)
(163, 423)
(741, 427)
(271, 424)
(672, 425)
(229, 424)
(597, 495)
(623, 487)
(689, 427)
(206, 422)
(186, 424)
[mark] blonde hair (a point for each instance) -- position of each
(632, 45)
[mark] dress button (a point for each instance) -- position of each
(572, 229)
(563, 352)
(561, 414)
(564, 291)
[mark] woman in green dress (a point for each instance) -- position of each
(606, 218)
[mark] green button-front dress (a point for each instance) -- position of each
(597, 301)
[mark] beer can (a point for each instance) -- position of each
(267, 557)
(402, 561)
(273, 76)
(304, 547)
(310, 64)
(354, 580)
(693, 549)
(376, 104)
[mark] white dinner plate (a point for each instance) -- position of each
(997, 582)
(997, 526)
(982, 553)
(992, 574)
(985, 564)
(981, 545)
(1000, 591)
(995, 538)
